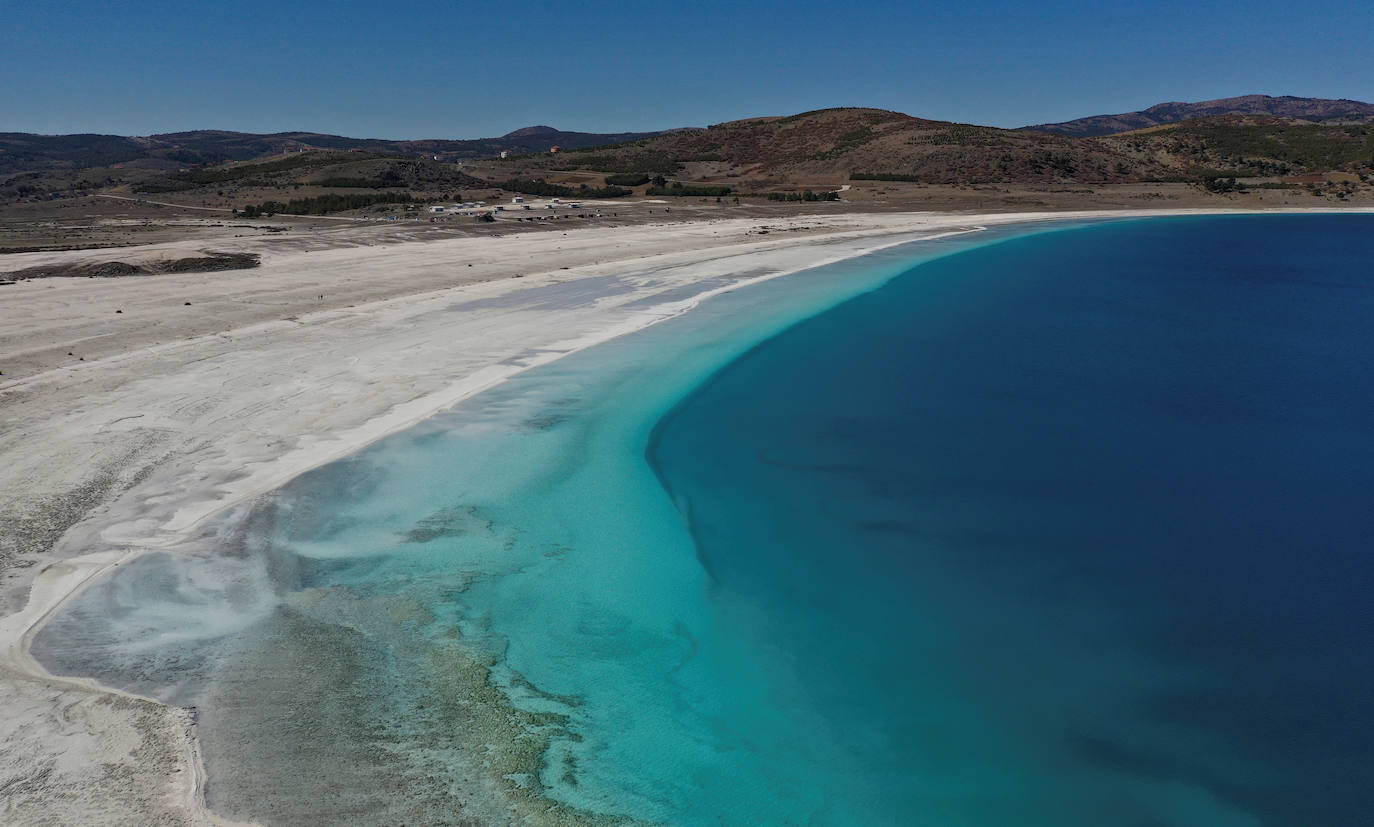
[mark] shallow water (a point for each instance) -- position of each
(1074, 529)
(1063, 529)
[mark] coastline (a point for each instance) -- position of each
(200, 473)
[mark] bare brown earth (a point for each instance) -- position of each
(839, 145)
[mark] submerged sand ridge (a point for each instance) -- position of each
(180, 411)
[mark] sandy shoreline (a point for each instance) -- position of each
(181, 411)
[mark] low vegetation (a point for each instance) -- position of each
(324, 204)
(166, 186)
(805, 195)
(627, 179)
(540, 187)
(20, 151)
(850, 140)
(775, 158)
(627, 160)
(1217, 183)
(873, 145)
(1272, 147)
(679, 188)
(236, 172)
(883, 176)
(355, 183)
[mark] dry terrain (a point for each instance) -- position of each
(80, 191)
(95, 221)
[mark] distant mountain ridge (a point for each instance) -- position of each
(817, 149)
(1317, 110)
(528, 132)
(25, 152)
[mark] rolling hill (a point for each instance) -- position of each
(27, 152)
(768, 156)
(1316, 110)
(834, 145)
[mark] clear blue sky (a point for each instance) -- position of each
(466, 69)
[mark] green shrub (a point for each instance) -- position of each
(882, 176)
(627, 179)
(358, 183)
(323, 204)
(808, 195)
(684, 190)
(540, 187)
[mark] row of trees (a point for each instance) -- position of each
(883, 176)
(356, 183)
(540, 187)
(1216, 183)
(807, 195)
(320, 205)
(679, 188)
(627, 179)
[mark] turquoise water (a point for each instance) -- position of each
(1067, 528)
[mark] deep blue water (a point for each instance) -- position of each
(1059, 526)
(1071, 529)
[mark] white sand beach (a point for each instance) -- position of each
(132, 409)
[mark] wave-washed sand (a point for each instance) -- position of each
(120, 432)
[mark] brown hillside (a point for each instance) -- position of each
(1316, 110)
(833, 144)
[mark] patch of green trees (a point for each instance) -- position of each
(679, 188)
(322, 204)
(627, 179)
(807, 195)
(1216, 183)
(540, 187)
(359, 183)
(883, 176)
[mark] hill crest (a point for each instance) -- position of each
(1316, 110)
